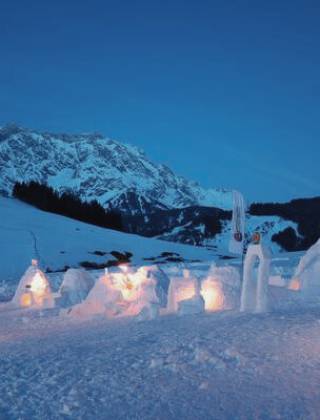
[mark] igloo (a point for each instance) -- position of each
(254, 295)
(33, 290)
(122, 293)
(307, 275)
(75, 287)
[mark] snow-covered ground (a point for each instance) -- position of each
(220, 365)
(223, 366)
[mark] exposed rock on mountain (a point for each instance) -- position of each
(95, 167)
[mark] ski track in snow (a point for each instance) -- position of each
(224, 365)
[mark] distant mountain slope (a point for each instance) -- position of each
(95, 167)
(190, 225)
(207, 226)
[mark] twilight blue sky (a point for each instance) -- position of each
(225, 92)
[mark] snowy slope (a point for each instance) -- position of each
(194, 226)
(99, 168)
(57, 241)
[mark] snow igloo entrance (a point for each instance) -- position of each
(218, 290)
(254, 295)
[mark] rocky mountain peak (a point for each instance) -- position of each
(95, 167)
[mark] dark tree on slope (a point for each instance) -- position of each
(67, 204)
(287, 239)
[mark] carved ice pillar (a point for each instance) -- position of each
(254, 296)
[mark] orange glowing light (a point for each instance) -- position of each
(212, 295)
(26, 300)
(38, 284)
(38, 288)
(129, 284)
(186, 287)
(295, 285)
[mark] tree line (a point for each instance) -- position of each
(67, 204)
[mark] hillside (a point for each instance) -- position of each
(58, 241)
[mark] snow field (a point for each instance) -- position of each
(222, 365)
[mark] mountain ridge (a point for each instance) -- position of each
(97, 167)
(153, 201)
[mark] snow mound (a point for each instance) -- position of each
(75, 287)
(101, 300)
(122, 293)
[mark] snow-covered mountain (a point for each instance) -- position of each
(95, 167)
(154, 202)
